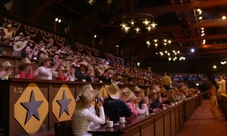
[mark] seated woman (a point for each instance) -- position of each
(82, 116)
(6, 70)
(26, 70)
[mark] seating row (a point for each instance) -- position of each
(17, 94)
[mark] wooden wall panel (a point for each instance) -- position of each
(148, 129)
(167, 124)
(159, 126)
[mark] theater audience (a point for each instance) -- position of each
(82, 116)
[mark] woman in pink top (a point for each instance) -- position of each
(26, 70)
(130, 100)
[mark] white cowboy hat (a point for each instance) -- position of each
(25, 61)
(19, 46)
(84, 63)
(113, 90)
(5, 65)
(43, 58)
(127, 94)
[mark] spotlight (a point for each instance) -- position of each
(192, 50)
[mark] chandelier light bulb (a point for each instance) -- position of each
(137, 29)
(148, 42)
(56, 19)
(200, 17)
(126, 29)
(169, 58)
(223, 17)
(132, 22)
(203, 34)
(148, 28)
(109, 1)
(153, 24)
(165, 43)
(59, 21)
(169, 41)
(146, 22)
(165, 40)
(156, 45)
(155, 40)
(168, 54)
(91, 2)
(123, 24)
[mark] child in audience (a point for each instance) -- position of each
(6, 70)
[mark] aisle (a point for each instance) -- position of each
(201, 123)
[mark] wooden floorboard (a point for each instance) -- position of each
(201, 123)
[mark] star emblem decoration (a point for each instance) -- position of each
(31, 107)
(64, 104)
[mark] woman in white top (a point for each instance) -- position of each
(82, 116)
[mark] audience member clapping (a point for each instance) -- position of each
(25, 69)
(45, 71)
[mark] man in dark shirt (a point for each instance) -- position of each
(81, 73)
(113, 107)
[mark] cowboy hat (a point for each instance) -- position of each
(69, 58)
(84, 63)
(19, 46)
(25, 61)
(57, 53)
(85, 96)
(113, 90)
(5, 65)
(43, 58)
(9, 26)
(127, 94)
(136, 89)
(100, 69)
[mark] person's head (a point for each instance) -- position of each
(7, 66)
(113, 90)
(72, 70)
(45, 61)
(27, 49)
(221, 77)
(86, 96)
(83, 66)
(145, 100)
(164, 73)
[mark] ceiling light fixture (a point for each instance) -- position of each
(159, 39)
(138, 22)
(223, 17)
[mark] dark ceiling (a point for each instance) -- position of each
(176, 18)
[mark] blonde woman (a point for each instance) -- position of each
(82, 117)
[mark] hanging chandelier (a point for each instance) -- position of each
(172, 55)
(138, 22)
(158, 39)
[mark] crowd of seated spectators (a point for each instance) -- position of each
(62, 63)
